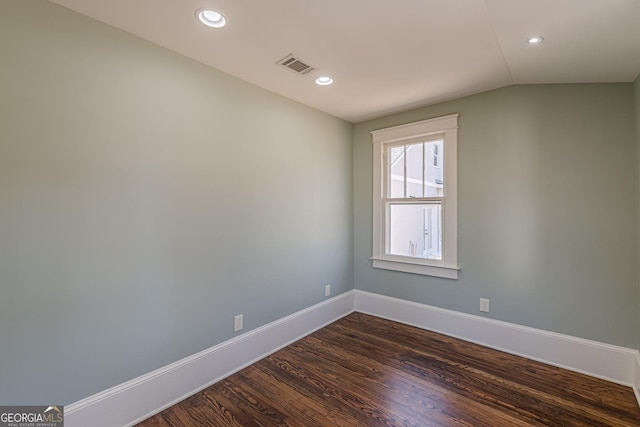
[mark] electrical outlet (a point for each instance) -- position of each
(484, 305)
(327, 290)
(237, 323)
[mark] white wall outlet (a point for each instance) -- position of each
(237, 323)
(327, 290)
(484, 305)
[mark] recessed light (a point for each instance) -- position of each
(324, 81)
(535, 39)
(211, 18)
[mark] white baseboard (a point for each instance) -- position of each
(138, 399)
(616, 364)
(636, 376)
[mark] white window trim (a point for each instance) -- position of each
(408, 133)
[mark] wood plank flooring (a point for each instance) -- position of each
(366, 371)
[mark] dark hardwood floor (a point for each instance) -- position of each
(366, 371)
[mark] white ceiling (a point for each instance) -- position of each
(387, 56)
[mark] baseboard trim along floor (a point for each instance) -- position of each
(137, 399)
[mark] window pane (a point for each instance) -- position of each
(415, 230)
(396, 169)
(415, 170)
(434, 177)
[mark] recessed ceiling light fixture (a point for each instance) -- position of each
(324, 81)
(533, 40)
(211, 18)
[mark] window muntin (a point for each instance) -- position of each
(415, 197)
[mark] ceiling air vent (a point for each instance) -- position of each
(295, 64)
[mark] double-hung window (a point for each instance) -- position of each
(415, 214)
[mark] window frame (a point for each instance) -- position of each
(411, 133)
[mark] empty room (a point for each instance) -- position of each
(345, 213)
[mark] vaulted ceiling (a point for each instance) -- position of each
(389, 56)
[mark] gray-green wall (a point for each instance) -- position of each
(636, 91)
(146, 199)
(547, 210)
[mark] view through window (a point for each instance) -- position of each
(415, 190)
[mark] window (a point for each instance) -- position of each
(415, 217)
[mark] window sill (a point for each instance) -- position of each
(415, 268)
